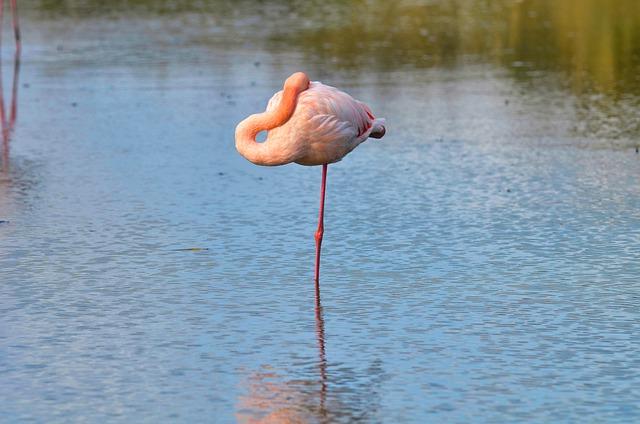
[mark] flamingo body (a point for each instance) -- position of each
(326, 125)
(323, 126)
(308, 123)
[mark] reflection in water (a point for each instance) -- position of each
(272, 398)
(8, 123)
(592, 41)
(14, 20)
(469, 279)
(322, 362)
(584, 47)
(271, 402)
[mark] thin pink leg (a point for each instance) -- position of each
(16, 24)
(13, 115)
(320, 230)
(4, 125)
(1, 16)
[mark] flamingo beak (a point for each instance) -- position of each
(378, 133)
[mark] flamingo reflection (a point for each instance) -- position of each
(322, 363)
(275, 398)
(8, 122)
(289, 402)
(14, 20)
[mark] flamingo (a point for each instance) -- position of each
(308, 123)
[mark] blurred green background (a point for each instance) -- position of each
(590, 48)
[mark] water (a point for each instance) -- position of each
(480, 263)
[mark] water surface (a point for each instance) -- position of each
(480, 263)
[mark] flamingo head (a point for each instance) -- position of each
(298, 81)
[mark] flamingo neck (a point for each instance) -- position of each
(247, 130)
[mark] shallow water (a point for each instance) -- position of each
(480, 263)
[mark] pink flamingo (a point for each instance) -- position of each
(310, 124)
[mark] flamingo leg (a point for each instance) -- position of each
(320, 230)
(4, 128)
(1, 15)
(16, 24)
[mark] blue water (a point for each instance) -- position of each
(480, 263)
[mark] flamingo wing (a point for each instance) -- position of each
(324, 99)
(326, 125)
(329, 129)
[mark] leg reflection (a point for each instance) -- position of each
(8, 123)
(322, 363)
(272, 397)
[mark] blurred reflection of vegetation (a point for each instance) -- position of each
(589, 46)
(596, 41)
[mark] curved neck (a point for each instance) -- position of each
(247, 130)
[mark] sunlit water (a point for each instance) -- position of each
(481, 263)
